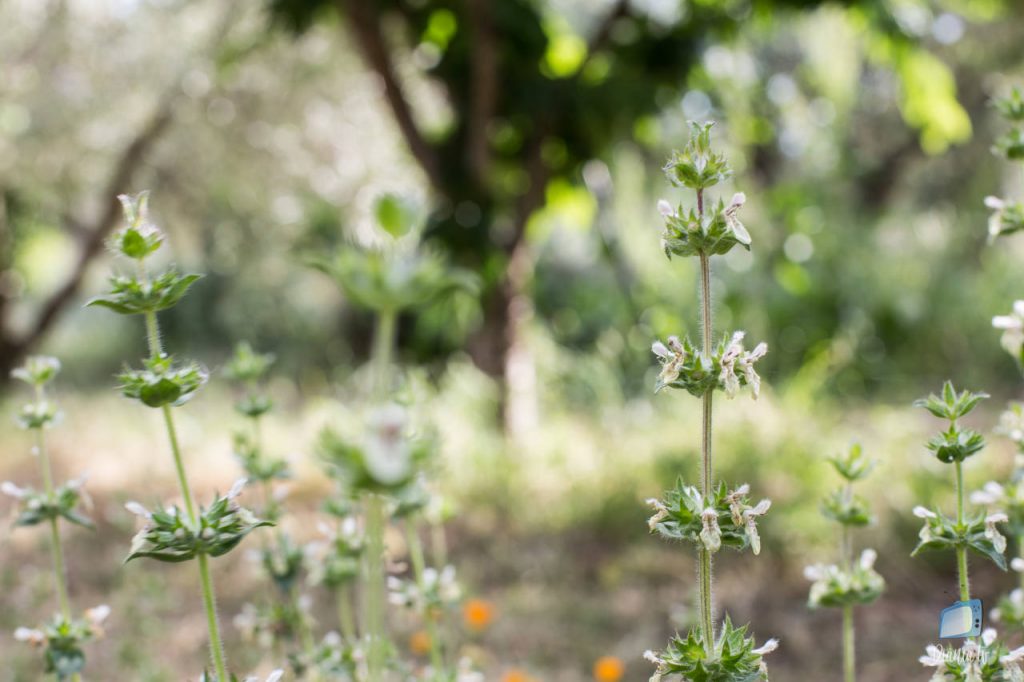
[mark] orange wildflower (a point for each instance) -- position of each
(478, 614)
(608, 669)
(419, 643)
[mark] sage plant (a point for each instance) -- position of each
(712, 515)
(382, 460)
(62, 637)
(851, 581)
(987, 659)
(171, 534)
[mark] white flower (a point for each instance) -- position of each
(665, 208)
(998, 541)
(746, 363)
(386, 452)
(1017, 564)
(867, 559)
(659, 349)
(30, 635)
(137, 509)
(733, 221)
(750, 525)
(815, 572)
(1013, 329)
(768, 647)
(924, 513)
(236, 488)
(652, 657)
(736, 503)
(731, 382)
(933, 657)
(1014, 656)
(8, 488)
(991, 493)
(711, 536)
(659, 515)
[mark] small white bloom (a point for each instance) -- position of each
(994, 203)
(711, 536)
(933, 658)
(659, 349)
(652, 657)
(665, 208)
(768, 647)
(137, 509)
(31, 636)
(998, 540)
(8, 488)
(924, 513)
(814, 573)
(1014, 656)
(991, 493)
(1017, 564)
(660, 514)
(236, 488)
(867, 559)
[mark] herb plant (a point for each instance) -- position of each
(850, 582)
(711, 516)
(61, 638)
(171, 534)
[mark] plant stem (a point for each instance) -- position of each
(345, 619)
(210, 602)
(374, 579)
(383, 345)
(419, 566)
(961, 551)
(705, 594)
(849, 651)
(59, 570)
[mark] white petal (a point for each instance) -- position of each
(137, 509)
(995, 203)
(1006, 322)
(868, 558)
(1017, 564)
(768, 647)
(989, 636)
(738, 199)
(665, 208)
(998, 517)
(8, 488)
(924, 513)
(659, 349)
(237, 488)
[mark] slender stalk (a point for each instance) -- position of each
(383, 346)
(1020, 553)
(345, 617)
(439, 544)
(849, 650)
(210, 603)
(705, 594)
(961, 551)
(59, 570)
(374, 579)
(419, 566)
(209, 600)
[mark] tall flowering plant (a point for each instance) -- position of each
(171, 533)
(712, 515)
(852, 581)
(61, 638)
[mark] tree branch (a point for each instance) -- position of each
(365, 29)
(483, 87)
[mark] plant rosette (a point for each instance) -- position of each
(170, 536)
(725, 520)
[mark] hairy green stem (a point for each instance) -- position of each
(419, 567)
(849, 650)
(706, 594)
(374, 580)
(209, 600)
(210, 603)
(961, 550)
(383, 346)
(59, 570)
(345, 617)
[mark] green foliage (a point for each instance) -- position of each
(978, 533)
(1011, 106)
(727, 519)
(951, 405)
(397, 216)
(62, 640)
(258, 467)
(169, 535)
(132, 296)
(733, 658)
(714, 232)
(37, 415)
(698, 166)
(956, 444)
(246, 365)
(846, 508)
(162, 383)
(728, 368)
(139, 237)
(835, 586)
(853, 465)
(394, 280)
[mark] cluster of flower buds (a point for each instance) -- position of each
(956, 443)
(836, 586)
(713, 232)
(978, 532)
(162, 382)
(386, 457)
(335, 560)
(727, 519)
(982, 659)
(728, 368)
(735, 656)
(1008, 216)
(169, 535)
(61, 640)
(435, 591)
(37, 506)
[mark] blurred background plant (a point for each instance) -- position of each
(862, 131)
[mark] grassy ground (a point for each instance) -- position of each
(551, 529)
